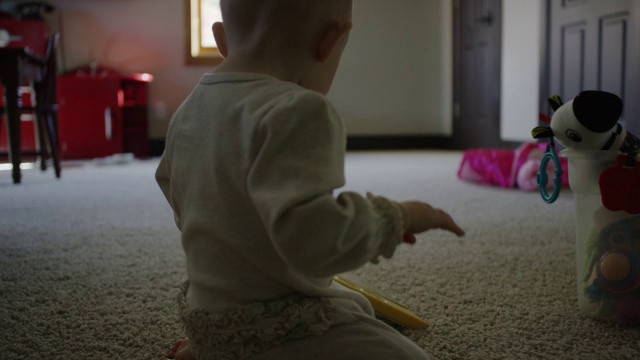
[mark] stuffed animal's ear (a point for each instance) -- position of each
(541, 132)
(555, 102)
(598, 111)
(544, 118)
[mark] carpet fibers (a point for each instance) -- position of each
(90, 264)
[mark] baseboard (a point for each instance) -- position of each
(359, 142)
(156, 147)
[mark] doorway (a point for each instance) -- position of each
(477, 52)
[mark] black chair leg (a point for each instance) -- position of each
(42, 130)
(51, 124)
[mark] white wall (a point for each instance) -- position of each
(396, 73)
(132, 36)
(395, 78)
(522, 43)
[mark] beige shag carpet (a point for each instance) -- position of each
(90, 263)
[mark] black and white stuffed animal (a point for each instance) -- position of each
(588, 122)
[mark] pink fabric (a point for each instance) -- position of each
(488, 166)
(527, 178)
(502, 167)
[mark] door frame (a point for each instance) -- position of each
(456, 141)
(544, 81)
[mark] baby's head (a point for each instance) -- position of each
(302, 34)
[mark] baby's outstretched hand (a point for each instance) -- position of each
(419, 217)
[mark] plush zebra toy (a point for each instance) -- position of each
(588, 122)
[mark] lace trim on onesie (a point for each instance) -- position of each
(247, 331)
(392, 225)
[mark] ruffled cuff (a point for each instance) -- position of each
(391, 225)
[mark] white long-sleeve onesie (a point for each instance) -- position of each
(250, 168)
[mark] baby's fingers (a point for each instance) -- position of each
(454, 228)
(447, 223)
(409, 238)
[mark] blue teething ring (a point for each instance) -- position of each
(543, 179)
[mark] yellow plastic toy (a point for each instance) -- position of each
(382, 305)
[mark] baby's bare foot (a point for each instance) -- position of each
(181, 350)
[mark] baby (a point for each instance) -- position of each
(252, 159)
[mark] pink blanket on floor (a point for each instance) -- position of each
(506, 168)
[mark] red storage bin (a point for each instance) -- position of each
(27, 33)
(102, 113)
(28, 131)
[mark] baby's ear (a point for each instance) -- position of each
(221, 38)
(330, 38)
